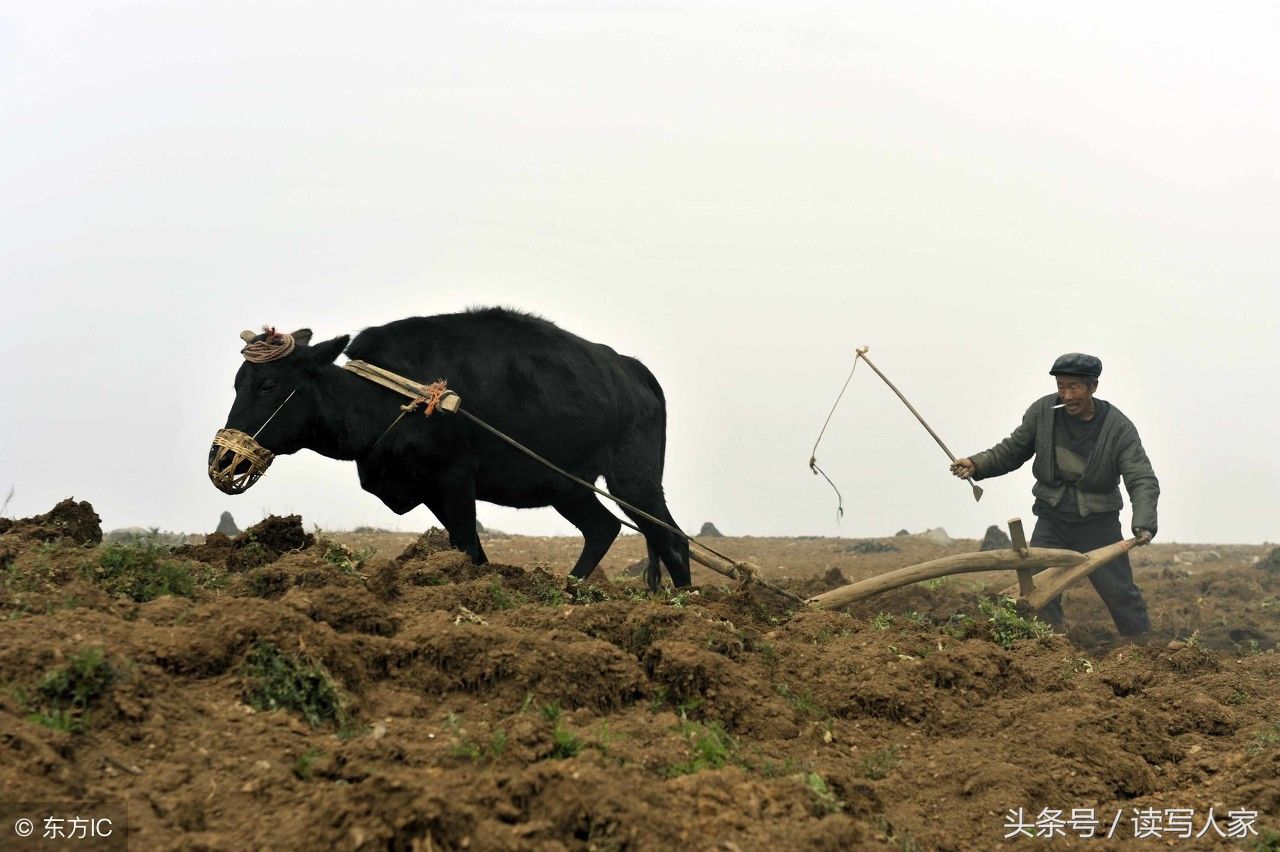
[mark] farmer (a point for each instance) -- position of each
(1083, 446)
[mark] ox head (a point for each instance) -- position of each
(277, 406)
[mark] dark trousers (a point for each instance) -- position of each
(1113, 581)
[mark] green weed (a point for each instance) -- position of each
(466, 750)
(1007, 626)
(1072, 666)
(302, 766)
(550, 593)
(636, 594)
(902, 843)
(604, 738)
(503, 598)
(803, 703)
(252, 554)
(565, 743)
(769, 769)
(1268, 841)
(879, 764)
(825, 801)
(277, 681)
(710, 747)
(882, 621)
(676, 599)
(63, 697)
(1264, 740)
(960, 625)
(827, 635)
(142, 572)
(583, 592)
(689, 706)
(344, 558)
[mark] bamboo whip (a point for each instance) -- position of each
(862, 353)
(964, 563)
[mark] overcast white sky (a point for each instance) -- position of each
(739, 195)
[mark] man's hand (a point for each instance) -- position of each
(964, 468)
(1144, 536)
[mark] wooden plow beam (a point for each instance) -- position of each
(1062, 569)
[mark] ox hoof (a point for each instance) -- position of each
(653, 578)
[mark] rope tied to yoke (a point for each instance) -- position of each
(271, 345)
(435, 392)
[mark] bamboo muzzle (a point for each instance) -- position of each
(237, 461)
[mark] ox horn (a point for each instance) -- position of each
(247, 336)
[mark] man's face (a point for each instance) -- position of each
(1076, 394)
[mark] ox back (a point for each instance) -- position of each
(579, 404)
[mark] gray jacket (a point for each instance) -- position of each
(1117, 454)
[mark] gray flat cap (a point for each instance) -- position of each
(1077, 364)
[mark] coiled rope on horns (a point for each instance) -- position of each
(272, 346)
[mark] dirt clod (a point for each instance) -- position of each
(372, 696)
(76, 523)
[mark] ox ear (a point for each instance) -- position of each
(323, 353)
(302, 336)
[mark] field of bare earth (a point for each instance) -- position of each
(296, 689)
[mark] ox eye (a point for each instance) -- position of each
(266, 386)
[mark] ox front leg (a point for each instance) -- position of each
(456, 510)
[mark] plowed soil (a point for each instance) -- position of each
(496, 708)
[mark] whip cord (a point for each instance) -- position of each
(813, 456)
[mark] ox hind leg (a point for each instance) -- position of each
(597, 524)
(635, 475)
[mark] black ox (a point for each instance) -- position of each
(580, 404)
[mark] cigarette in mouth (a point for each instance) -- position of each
(1060, 405)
